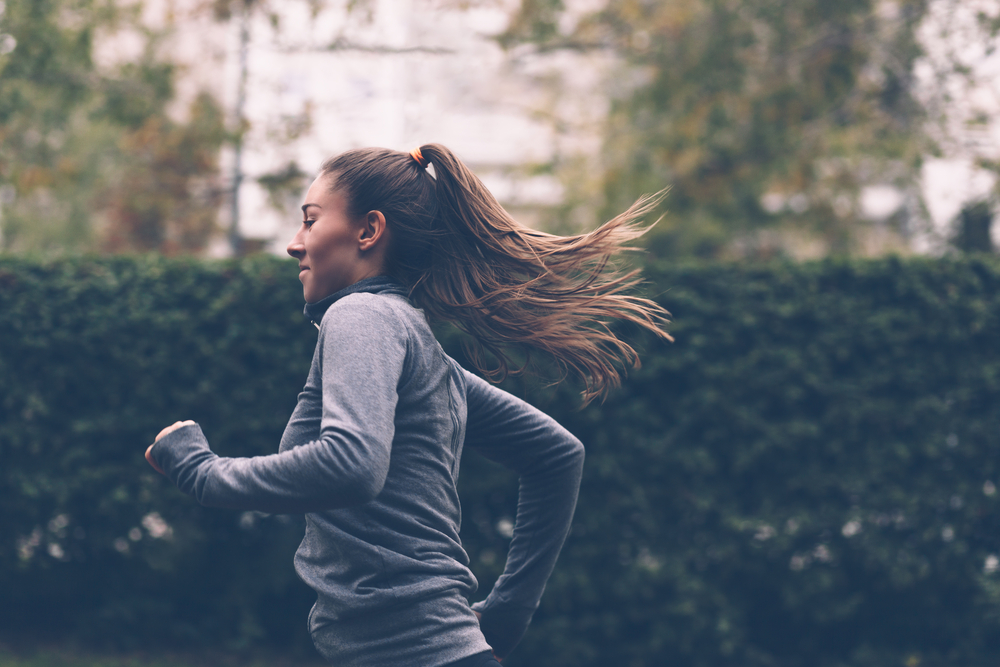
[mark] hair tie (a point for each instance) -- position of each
(418, 157)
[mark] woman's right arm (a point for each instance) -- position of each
(549, 462)
(361, 350)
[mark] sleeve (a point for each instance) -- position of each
(549, 462)
(361, 351)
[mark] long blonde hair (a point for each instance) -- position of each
(467, 262)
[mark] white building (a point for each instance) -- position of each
(399, 73)
(392, 73)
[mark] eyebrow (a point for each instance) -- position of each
(305, 206)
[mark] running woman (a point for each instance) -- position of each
(371, 453)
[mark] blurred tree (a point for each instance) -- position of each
(284, 186)
(972, 228)
(89, 158)
(961, 92)
(766, 118)
(168, 196)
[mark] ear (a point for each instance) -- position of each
(373, 230)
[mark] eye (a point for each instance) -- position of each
(308, 222)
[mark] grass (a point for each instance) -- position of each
(66, 656)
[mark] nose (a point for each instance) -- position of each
(297, 247)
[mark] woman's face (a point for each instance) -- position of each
(329, 245)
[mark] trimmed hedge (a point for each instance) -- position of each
(808, 476)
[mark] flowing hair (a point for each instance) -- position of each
(467, 262)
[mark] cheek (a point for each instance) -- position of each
(328, 255)
(316, 245)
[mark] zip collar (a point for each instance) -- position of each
(374, 285)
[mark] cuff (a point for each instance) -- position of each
(180, 453)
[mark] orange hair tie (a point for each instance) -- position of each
(416, 155)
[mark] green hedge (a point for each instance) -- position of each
(808, 476)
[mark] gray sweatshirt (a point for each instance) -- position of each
(371, 456)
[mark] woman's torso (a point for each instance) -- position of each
(376, 564)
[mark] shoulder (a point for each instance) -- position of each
(369, 312)
(363, 331)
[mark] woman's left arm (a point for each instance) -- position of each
(361, 351)
(549, 462)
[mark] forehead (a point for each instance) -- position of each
(321, 187)
(324, 194)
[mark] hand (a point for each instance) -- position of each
(168, 430)
(173, 427)
(149, 459)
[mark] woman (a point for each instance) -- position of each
(371, 452)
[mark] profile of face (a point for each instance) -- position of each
(335, 250)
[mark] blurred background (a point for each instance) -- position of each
(783, 129)
(807, 477)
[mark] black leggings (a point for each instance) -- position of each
(484, 659)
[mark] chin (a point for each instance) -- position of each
(309, 293)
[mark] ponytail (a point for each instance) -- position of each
(467, 262)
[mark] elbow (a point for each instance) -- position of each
(368, 488)
(576, 451)
(571, 450)
(566, 457)
(349, 471)
(365, 485)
